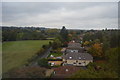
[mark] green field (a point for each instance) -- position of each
(16, 53)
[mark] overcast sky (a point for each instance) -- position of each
(73, 15)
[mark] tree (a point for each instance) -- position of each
(43, 62)
(50, 43)
(97, 41)
(115, 38)
(64, 34)
(45, 46)
(86, 43)
(91, 72)
(112, 58)
(106, 43)
(70, 37)
(40, 51)
(56, 44)
(96, 50)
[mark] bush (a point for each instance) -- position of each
(45, 46)
(43, 62)
(40, 51)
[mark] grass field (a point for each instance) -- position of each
(16, 53)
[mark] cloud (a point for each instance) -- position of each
(81, 15)
(60, 0)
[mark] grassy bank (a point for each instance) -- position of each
(16, 53)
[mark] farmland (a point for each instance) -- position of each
(16, 53)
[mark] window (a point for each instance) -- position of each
(79, 63)
(65, 61)
(74, 63)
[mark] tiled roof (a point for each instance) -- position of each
(79, 49)
(74, 44)
(65, 71)
(78, 56)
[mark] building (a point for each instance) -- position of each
(74, 44)
(77, 59)
(76, 55)
(64, 71)
(76, 50)
(74, 47)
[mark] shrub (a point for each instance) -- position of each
(43, 62)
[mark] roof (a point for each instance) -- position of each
(65, 71)
(80, 49)
(74, 46)
(78, 56)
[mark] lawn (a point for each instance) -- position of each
(16, 53)
(50, 38)
(55, 54)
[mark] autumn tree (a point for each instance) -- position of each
(86, 43)
(96, 41)
(96, 50)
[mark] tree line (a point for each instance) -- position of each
(27, 33)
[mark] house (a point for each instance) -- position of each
(75, 55)
(77, 59)
(64, 71)
(74, 44)
(74, 47)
